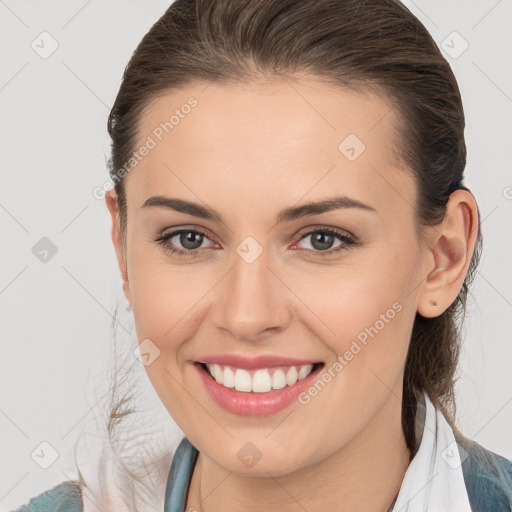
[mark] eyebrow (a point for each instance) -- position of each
(286, 215)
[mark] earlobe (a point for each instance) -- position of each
(113, 207)
(451, 250)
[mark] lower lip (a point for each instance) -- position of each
(251, 403)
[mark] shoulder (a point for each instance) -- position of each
(64, 497)
(488, 477)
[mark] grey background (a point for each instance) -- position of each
(56, 315)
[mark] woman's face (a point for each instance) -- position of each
(260, 283)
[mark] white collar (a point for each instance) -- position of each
(434, 481)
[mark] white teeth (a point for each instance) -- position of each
(278, 379)
(261, 381)
(229, 377)
(242, 380)
(292, 376)
(305, 371)
(218, 374)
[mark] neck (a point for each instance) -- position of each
(365, 474)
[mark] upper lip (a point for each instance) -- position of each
(251, 363)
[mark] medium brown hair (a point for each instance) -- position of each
(377, 46)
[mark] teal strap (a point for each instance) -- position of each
(65, 497)
(180, 475)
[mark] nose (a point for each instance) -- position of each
(253, 302)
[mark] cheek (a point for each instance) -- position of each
(158, 290)
(362, 313)
(168, 302)
(366, 309)
(162, 301)
(166, 305)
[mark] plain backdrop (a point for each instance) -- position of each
(56, 314)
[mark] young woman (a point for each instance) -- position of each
(296, 245)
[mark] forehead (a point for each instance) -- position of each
(238, 143)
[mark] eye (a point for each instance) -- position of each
(324, 238)
(190, 239)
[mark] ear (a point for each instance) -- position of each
(113, 207)
(451, 247)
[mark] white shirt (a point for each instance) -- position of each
(434, 481)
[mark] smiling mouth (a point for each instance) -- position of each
(260, 380)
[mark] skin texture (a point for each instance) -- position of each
(249, 151)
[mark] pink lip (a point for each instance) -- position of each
(252, 363)
(251, 403)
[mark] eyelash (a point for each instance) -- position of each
(347, 241)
